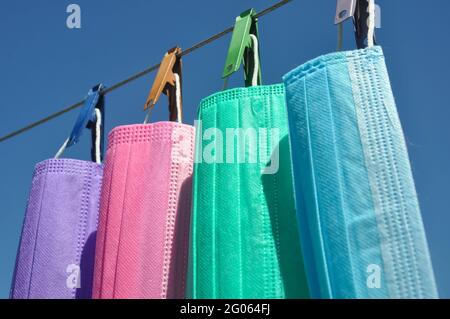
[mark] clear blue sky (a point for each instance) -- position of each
(44, 66)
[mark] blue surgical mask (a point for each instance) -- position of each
(359, 218)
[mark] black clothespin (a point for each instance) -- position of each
(358, 10)
(361, 26)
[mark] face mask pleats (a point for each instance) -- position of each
(360, 223)
(244, 232)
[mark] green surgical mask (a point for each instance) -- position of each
(244, 235)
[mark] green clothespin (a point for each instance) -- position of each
(241, 47)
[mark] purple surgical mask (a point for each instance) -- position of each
(55, 259)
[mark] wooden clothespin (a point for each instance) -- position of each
(165, 83)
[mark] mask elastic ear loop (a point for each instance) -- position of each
(371, 24)
(177, 97)
(98, 133)
(62, 149)
(255, 60)
(147, 117)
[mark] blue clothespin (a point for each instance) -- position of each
(87, 114)
(93, 105)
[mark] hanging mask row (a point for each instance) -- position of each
(292, 190)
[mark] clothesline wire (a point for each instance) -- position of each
(138, 75)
